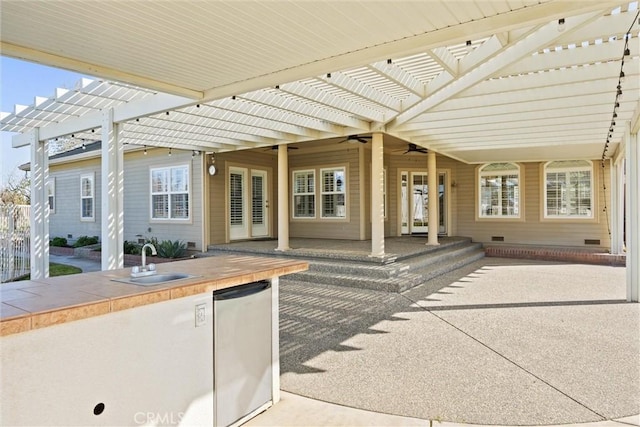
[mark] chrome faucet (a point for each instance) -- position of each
(144, 254)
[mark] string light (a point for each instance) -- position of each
(621, 79)
(145, 150)
(614, 114)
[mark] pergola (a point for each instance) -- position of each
(477, 81)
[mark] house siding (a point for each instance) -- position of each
(348, 228)
(137, 217)
(532, 228)
(137, 198)
(65, 221)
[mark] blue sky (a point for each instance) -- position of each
(20, 82)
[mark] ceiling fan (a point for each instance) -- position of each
(413, 148)
(356, 138)
(275, 148)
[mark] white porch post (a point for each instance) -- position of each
(283, 198)
(633, 217)
(377, 195)
(39, 206)
(617, 206)
(112, 194)
(432, 182)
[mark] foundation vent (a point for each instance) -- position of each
(191, 244)
(497, 238)
(592, 241)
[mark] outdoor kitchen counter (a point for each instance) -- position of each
(35, 304)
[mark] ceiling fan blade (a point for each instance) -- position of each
(355, 138)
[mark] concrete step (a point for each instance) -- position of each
(396, 276)
(398, 283)
(449, 264)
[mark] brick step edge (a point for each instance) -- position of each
(561, 254)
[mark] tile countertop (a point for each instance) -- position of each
(34, 304)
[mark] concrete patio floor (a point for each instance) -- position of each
(500, 342)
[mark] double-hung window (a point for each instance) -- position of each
(51, 194)
(333, 193)
(499, 190)
(568, 190)
(170, 193)
(87, 197)
(304, 199)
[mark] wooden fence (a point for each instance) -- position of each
(14, 241)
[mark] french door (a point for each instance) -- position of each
(248, 204)
(414, 192)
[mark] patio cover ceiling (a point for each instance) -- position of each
(221, 76)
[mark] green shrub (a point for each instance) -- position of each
(58, 241)
(132, 248)
(169, 249)
(85, 241)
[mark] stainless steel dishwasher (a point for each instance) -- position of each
(242, 351)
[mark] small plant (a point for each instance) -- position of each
(169, 249)
(131, 248)
(85, 241)
(58, 241)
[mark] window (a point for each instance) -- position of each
(170, 193)
(87, 197)
(568, 189)
(333, 193)
(499, 190)
(304, 205)
(51, 194)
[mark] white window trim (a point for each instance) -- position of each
(51, 194)
(588, 168)
(479, 211)
(91, 178)
(169, 193)
(322, 193)
(294, 194)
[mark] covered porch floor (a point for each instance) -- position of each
(396, 248)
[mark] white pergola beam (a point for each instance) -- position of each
(332, 101)
(445, 59)
(517, 50)
(399, 77)
(268, 99)
(348, 84)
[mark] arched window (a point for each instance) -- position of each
(499, 190)
(568, 190)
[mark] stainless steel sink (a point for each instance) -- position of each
(155, 279)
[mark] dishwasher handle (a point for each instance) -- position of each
(241, 290)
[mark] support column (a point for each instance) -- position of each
(112, 185)
(39, 206)
(377, 195)
(283, 198)
(616, 210)
(432, 182)
(633, 217)
(362, 178)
